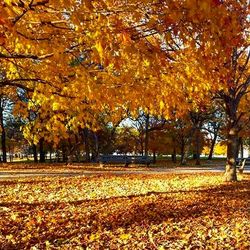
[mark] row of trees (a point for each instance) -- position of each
(142, 135)
(70, 62)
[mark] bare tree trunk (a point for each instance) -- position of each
(210, 156)
(232, 141)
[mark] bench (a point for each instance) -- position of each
(125, 159)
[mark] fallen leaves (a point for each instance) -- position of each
(182, 211)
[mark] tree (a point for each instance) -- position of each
(152, 56)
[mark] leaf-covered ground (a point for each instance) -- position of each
(181, 211)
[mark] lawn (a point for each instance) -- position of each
(172, 211)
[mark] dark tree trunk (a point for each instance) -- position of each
(183, 157)
(146, 136)
(95, 151)
(57, 155)
(86, 144)
(197, 146)
(41, 150)
(154, 157)
(64, 154)
(174, 151)
(241, 148)
(232, 144)
(3, 136)
(210, 156)
(35, 153)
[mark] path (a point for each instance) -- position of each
(68, 173)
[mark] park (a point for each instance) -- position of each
(124, 124)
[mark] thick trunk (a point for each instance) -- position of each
(232, 144)
(41, 150)
(35, 153)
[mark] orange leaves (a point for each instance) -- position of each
(144, 212)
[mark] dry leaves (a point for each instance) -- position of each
(125, 212)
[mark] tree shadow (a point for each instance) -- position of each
(135, 210)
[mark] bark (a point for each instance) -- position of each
(197, 147)
(86, 144)
(64, 154)
(232, 144)
(185, 150)
(210, 156)
(183, 158)
(154, 157)
(50, 156)
(146, 136)
(41, 151)
(241, 148)
(3, 136)
(95, 151)
(35, 153)
(174, 152)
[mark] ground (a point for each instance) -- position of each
(129, 211)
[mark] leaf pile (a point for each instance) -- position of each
(125, 212)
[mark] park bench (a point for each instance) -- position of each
(125, 159)
(241, 163)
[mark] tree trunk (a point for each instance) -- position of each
(154, 157)
(64, 154)
(232, 144)
(95, 151)
(3, 137)
(41, 150)
(210, 156)
(174, 151)
(35, 153)
(183, 158)
(241, 148)
(197, 147)
(86, 144)
(146, 136)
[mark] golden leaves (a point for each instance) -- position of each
(157, 211)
